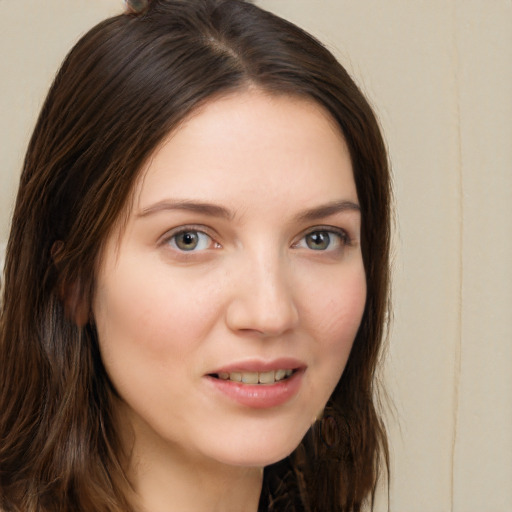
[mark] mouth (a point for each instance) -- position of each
(256, 378)
(259, 385)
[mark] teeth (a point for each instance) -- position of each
(266, 377)
(256, 378)
(250, 377)
(280, 374)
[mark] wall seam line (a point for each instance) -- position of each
(460, 190)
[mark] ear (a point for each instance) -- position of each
(75, 305)
(72, 295)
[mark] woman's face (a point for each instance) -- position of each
(240, 260)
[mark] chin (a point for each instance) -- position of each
(260, 449)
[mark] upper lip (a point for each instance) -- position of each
(259, 365)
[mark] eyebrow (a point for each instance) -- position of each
(215, 210)
(327, 210)
(209, 209)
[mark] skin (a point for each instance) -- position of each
(256, 287)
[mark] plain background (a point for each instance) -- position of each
(439, 74)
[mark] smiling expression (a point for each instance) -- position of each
(227, 305)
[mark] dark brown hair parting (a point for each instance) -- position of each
(124, 86)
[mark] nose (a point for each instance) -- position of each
(263, 298)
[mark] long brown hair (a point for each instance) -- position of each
(124, 86)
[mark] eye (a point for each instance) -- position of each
(190, 240)
(323, 240)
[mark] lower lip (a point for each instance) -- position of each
(259, 396)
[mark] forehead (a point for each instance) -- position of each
(251, 145)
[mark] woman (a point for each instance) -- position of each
(196, 279)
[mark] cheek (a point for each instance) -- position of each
(344, 315)
(334, 318)
(157, 316)
(337, 312)
(149, 333)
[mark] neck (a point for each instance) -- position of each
(169, 486)
(167, 478)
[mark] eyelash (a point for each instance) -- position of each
(341, 235)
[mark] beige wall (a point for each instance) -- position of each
(440, 76)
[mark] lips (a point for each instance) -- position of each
(259, 384)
